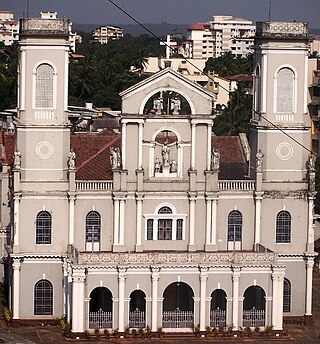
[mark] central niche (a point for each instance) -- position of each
(167, 103)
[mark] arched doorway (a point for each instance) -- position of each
(100, 308)
(137, 309)
(254, 307)
(218, 308)
(178, 305)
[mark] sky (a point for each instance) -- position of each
(170, 11)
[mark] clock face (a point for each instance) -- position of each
(44, 150)
(284, 151)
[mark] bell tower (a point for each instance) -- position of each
(280, 118)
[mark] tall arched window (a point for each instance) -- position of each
(93, 229)
(165, 225)
(286, 295)
(285, 90)
(43, 298)
(43, 228)
(44, 90)
(283, 227)
(234, 230)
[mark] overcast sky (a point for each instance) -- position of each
(170, 11)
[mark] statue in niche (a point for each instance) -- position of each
(165, 155)
(157, 166)
(115, 158)
(259, 160)
(17, 159)
(175, 105)
(173, 166)
(215, 157)
(311, 163)
(311, 167)
(158, 105)
(72, 159)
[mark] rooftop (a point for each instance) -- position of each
(44, 27)
(282, 30)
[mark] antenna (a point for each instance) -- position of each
(27, 8)
(269, 10)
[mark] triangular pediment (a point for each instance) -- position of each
(135, 98)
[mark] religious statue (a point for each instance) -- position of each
(115, 158)
(157, 166)
(215, 157)
(165, 155)
(158, 105)
(17, 159)
(259, 160)
(311, 163)
(72, 159)
(173, 166)
(175, 105)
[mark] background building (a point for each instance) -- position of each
(9, 28)
(104, 34)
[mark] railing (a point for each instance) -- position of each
(218, 318)
(137, 319)
(177, 319)
(95, 185)
(100, 320)
(254, 318)
(241, 185)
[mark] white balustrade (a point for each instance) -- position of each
(241, 185)
(84, 185)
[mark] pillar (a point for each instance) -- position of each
(235, 297)
(192, 211)
(116, 213)
(203, 292)
(257, 222)
(16, 223)
(79, 277)
(310, 235)
(193, 146)
(16, 266)
(123, 144)
(140, 138)
(121, 222)
(72, 199)
(154, 302)
(309, 267)
(121, 290)
(209, 147)
(139, 201)
(277, 299)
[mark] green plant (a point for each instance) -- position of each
(148, 331)
(257, 329)
(160, 331)
(230, 328)
(208, 331)
(215, 332)
(7, 314)
(86, 334)
(248, 331)
(134, 332)
(196, 329)
(115, 332)
(97, 333)
(106, 333)
(126, 331)
(141, 333)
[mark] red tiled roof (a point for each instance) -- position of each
(230, 149)
(196, 26)
(7, 140)
(240, 77)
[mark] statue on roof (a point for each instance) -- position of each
(72, 159)
(175, 105)
(165, 155)
(311, 162)
(259, 160)
(17, 159)
(215, 159)
(115, 158)
(158, 105)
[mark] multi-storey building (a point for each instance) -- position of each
(9, 28)
(221, 34)
(164, 224)
(104, 34)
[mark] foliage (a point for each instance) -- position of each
(65, 326)
(7, 314)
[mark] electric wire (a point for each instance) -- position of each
(209, 77)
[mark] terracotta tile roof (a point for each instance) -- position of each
(93, 154)
(7, 139)
(196, 26)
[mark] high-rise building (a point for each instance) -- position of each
(104, 34)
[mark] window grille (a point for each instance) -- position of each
(285, 90)
(43, 298)
(93, 227)
(44, 86)
(43, 228)
(150, 229)
(164, 229)
(286, 295)
(179, 229)
(235, 226)
(283, 227)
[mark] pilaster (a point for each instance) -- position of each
(154, 303)
(235, 296)
(192, 214)
(139, 204)
(16, 266)
(203, 291)
(78, 277)
(121, 286)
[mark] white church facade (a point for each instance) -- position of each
(165, 224)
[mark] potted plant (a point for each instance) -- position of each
(106, 333)
(126, 331)
(134, 332)
(115, 333)
(208, 331)
(160, 332)
(196, 330)
(148, 332)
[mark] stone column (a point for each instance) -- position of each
(310, 235)
(309, 267)
(203, 292)
(277, 299)
(121, 222)
(208, 220)
(192, 211)
(72, 199)
(257, 223)
(139, 200)
(123, 144)
(121, 285)
(16, 224)
(16, 266)
(155, 283)
(235, 296)
(193, 146)
(214, 213)
(79, 277)
(140, 138)
(209, 147)
(116, 213)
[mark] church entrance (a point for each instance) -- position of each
(137, 311)
(100, 308)
(178, 306)
(254, 307)
(218, 308)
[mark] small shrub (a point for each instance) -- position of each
(134, 332)
(115, 332)
(141, 333)
(7, 314)
(106, 333)
(148, 331)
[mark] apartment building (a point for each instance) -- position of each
(9, 28)
(104, 34)
(221, 34)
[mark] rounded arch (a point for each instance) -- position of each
(43, 298)
(283, 227)
(254, 297)
(165, 205)
(43, 227)
(137, 301)
(93, 230)
(100, 299)
(50, 63)
(285, 66)
(158, 131)
(218, 300)
(178, 296)
(172, 89)
(286, 295)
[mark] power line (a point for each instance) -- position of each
(209, 77)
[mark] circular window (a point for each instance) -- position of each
(284, 151)
(44, 150)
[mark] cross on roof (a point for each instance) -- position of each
(168, 43)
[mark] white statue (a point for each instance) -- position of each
(115, 158)
(259, 160)
(72, 159)
(215, 156)
(311, 163)
(173, 166)
(157, 166)
(165, 155)
(175, 105)
(158, 105)
(17, 159)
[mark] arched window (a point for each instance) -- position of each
(93, 229)
(43, 298)
(43, 228)
(283, 227)
(285, 90)
(234, 230)
(44, 92)
(286, 295)
(165, 225)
